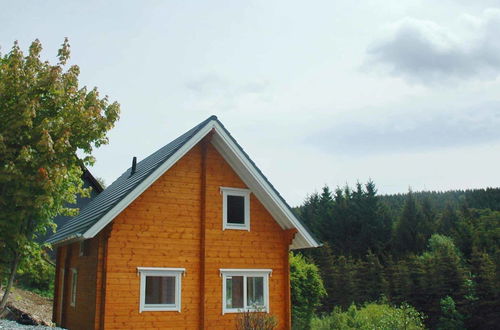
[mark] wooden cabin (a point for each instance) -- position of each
(187, 238)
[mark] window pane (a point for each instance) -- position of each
(255, 291)
(160, 290)
(236, 209)
(234, 292)
(74, 279)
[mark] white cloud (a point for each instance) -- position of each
(426, 52)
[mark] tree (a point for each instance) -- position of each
(370, 282)
(406, 233)
(449, 221)
(341, 292)
(450, 319)
(47, 120)
(441, 274)
(487, 289)
(307, 291)
(324, 260)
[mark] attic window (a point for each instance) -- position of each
(235, 208)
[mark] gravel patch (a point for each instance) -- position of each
(8, 325)
(29, 307)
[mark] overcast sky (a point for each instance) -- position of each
(406, 93)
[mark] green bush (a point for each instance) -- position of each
(379, 316)
(37, 274)
(307, 290)
(259, 320)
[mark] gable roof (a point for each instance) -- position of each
(114, 199)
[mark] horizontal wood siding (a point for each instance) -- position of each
(262, 247)
(82, 315)
(161, 228)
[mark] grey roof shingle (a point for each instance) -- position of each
(120, 188)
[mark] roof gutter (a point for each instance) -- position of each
(67, 240)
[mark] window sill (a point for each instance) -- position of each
(236, 227)
(243, 310)
(160, 309)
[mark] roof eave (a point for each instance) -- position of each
(240, 160)
(67, 240)
(253, 178)
(148, 181)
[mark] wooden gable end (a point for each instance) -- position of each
(163, 227)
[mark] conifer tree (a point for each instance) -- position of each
(324, 259)
(342, 290)
(449, 221)
(370, 282)
(426, 227)
(450, 318)
(406, 233)
(485, 313)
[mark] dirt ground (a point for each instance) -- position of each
(35, 307)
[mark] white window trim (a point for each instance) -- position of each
(265, 273)
(158, 271)
(74, 286)
(227, 191)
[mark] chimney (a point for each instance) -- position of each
(134, 166)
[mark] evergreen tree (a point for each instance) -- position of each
(376, 222)
(309, 212)
(417, 265)
(426, 227)
(464, 235)
(444, 275)
(449, 221)
(370, 282)
(324, 259)
(406, 233)
(325, 206)
(485, 312)
(450, 318)
(342, 291)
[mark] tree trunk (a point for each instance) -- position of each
(12, 275)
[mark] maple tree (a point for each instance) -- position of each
(49, 126)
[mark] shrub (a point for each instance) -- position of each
(256, 321)
(307, 291)
(380, 316)
(37, 274)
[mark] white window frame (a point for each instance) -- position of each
(82, 249)
(158, 271)
(226, 191)
(265, 273)
(74, 286)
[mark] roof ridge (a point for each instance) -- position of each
(114, 199)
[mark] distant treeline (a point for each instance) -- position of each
(488, 198)
(437, 251)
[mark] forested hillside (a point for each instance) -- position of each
(437, 251)
(488, 198)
